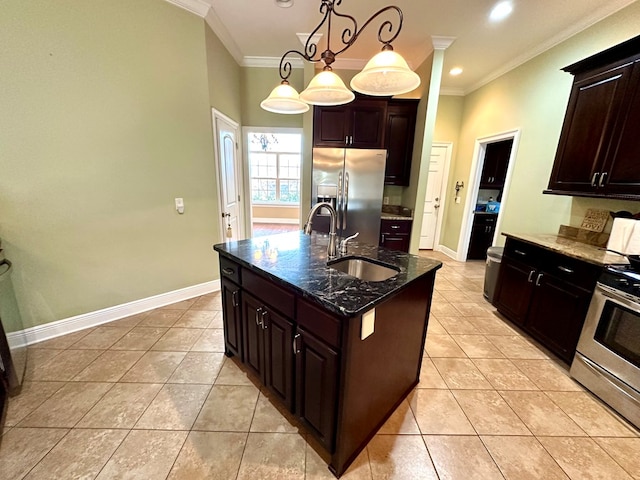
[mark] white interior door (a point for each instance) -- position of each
(432, 216)
(230, 178)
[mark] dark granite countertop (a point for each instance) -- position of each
(299, 261)
(396, 212)
(571, 248)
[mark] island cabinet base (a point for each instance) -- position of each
(380, 371)
(339, 381)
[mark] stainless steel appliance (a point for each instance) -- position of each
(351, 180)
(607, 360)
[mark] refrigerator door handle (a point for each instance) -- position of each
(345, 208)
(339, 200)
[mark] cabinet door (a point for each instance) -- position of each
(330, 126)
(279, 366)
(622, 169)
(593, 108)
(231, 317)
(316, 387)
(496, 161)
(557, 313)
(514, 290)
(366, 123)
(395, 242)
(252, 314)
(399, 136)
(482, 232)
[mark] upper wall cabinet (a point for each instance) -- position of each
(599, 152)
(359, 124)
(371, 123)
(401, 126)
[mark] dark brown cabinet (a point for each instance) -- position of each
(545, 293)
(231, 318)
(482, 232)
(316, 374)
(598, 150)
(399, 136)
(359, 124)
(496, 161)
(395, 234)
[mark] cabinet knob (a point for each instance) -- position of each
(234, 298)
(538, 279)
(602, 179)
(258, 311)
(594, 179)
(295, 343)
(228, 271)
(531, 273)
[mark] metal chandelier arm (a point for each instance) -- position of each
(349, 38)
(285, 66)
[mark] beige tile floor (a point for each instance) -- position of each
(153, 396)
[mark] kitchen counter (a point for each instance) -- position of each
(396, 212)
(339, 353)
(299, 261)
(571, 248)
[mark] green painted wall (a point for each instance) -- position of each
(225, 77)
(105, 119)
(532, 97)
(257, 84)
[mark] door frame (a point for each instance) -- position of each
(245, 163)
(437, 246)
(216, 115)
(473, 183)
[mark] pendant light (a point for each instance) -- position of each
(386, 74)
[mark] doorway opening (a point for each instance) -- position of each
(489, 186)
(274, 160)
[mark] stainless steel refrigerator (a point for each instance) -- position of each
(351, 180)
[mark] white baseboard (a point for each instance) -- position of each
(447, 251)
(51, 330)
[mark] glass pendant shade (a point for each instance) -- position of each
(326, 88)
(284, 99)
(387, 73)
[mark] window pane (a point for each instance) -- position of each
(263, 190)
(289, 191)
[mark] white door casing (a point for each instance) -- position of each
(229, 176)
(474, 183)
(434, 196)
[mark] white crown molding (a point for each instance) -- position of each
(595, 17)
(456, 92)
(99, 317)
(270, 62)
(198, 7)
(223, 34)
(442, 43)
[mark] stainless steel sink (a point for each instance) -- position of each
(364, 269)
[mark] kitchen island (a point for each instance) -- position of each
(338, 352)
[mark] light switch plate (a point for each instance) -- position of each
(179, 205)
(368, 324)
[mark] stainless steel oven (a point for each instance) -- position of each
(607, 360)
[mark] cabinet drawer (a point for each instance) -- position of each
(265, 290)
(230, 270)
(523, 252)
(571, 270)
(391, 227)
(318, 322)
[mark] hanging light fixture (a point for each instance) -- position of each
(386, 74)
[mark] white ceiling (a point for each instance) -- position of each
(258, 32)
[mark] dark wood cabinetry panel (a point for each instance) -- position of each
(496, 161)
(399, 137)
(359, 124)
(514, 290)
(316, 382)
(558, 310)
(253, 336)
(278, 338)
(395, 234)
(545, 293)
(482, 232)
(231, 318)
(598, 151)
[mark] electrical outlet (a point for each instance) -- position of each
(385, 200)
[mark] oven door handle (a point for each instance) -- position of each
(595, 369)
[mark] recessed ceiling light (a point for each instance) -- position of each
(455, 71)
(284, 3)
(501, 11)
